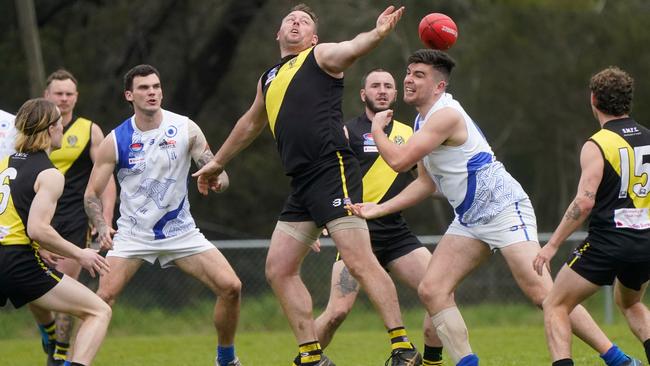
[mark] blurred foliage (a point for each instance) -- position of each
(522, 74)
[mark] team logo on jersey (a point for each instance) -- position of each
(5, 125)
(630, 131)
(167, 144)
(368, 140)
(271, 75)
(518, 227)
(399, 140)
(136, 147)
(171, 131)
(292, 62)
(72, 140)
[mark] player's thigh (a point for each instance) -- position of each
(70, 267)
(290, 243)
(569, 289)
(519, 258)
(211, 268)
(352, 240)
(120, 273)
(344, 287)
(454, 258)
(410, 268)
(70, 296)
(626, 297)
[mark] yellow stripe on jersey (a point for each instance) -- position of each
(621, 156)
(279, 84)
(343, 180)
(12, 229)
(380, 177)
(73, 143)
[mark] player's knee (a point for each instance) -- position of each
(232, 290)
(108, 297)
(538, 298)
(431, 294)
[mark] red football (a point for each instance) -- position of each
(438, 31)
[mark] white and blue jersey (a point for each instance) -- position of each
(7, 134)
(152, 171)
(475, 183)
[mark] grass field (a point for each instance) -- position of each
(501, 335)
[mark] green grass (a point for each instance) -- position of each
(501, 335)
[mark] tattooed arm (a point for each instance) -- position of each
(100, 176)
(592, 163)
(201, 154)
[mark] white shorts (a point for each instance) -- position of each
(165, 250)
(515, 224)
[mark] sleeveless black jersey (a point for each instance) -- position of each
(18, 173)
(620, 219)
(380, 181)
(303, 105)
(73, 160)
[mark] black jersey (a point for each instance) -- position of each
(380, 181)
(73, 160)
(18, 173)
(303, 105)
(620, 219)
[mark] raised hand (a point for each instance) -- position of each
(388, 20)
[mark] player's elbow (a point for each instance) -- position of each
(36, 230)
(401, 166)
(585, 204)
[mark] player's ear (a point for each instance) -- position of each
(128, 95)
(314, 40)
(362, 94)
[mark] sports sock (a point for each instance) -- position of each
(399, 339)
(296, 361)
(225, 354)
(563, 362)
(452, 330)
(67, 363)
(61, 350)
(310, 353)
(432, 356)
(48, 332)
(646, 345)
(469, 360)
(614, 356)
(77, 364)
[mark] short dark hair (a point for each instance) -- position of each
(365, 76)
(439, 60)
(60, 74)
(613, 89)
(306, 9)
(140, 70)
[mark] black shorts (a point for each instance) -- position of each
(321, 193)
(597, 267)
(387, 250)
(23, 275)
(77, 232)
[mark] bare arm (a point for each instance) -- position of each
(99, 177)
(422, 187)
(592, 163)
(201, 154)
(443, 125)
(48, 188)
(110, 192)
(335, 58)
(246, 130)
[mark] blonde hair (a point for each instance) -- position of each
(32, 122)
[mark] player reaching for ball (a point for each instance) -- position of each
(492, 210)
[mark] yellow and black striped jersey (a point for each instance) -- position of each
(18, 173)
(380, 181)
(303, 105)
(620, 219)
(73, 160)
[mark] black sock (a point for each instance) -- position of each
(646, 345)
(61, 350)
(431, 355)
(563, 362)
(296, 361)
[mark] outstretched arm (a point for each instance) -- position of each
(48, 188)
(592, 163)
(246, 130)
(334, 58)
(99, 178)
(421, 188)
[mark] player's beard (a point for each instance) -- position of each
(371, 105)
